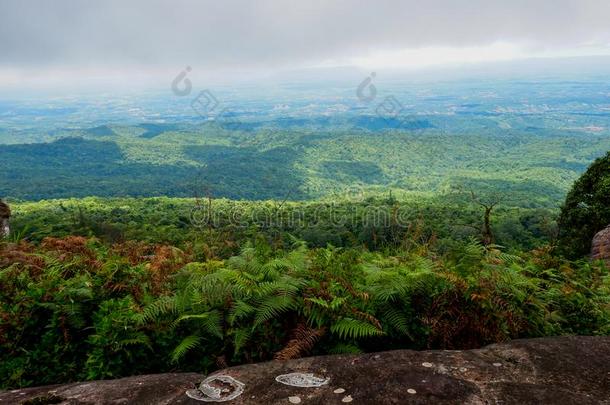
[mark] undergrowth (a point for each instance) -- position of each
(75, 308)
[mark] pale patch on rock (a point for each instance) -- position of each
(304, 380)
(339, 391)
(218, 388)
(294, 400)
(347, 399)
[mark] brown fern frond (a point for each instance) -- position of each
(70, 248)
(9, 257)
(136, 251)
(350, 288)
(367, 317)
(303, 340)
(454, 279)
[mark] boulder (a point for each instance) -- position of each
(559, 370)
(5, 214)
(600, 247)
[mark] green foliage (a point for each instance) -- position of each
(116, 344)
(586, 209)
(377, 222)
(74, 309)
(348, 328)
(188, 343)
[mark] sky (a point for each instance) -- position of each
(80, 41)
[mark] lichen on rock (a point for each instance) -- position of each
(304, 380)
(217, 388)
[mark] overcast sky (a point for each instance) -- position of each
(41, 36)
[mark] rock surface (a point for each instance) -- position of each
(600, 248)
(561, 370)
(5, 214)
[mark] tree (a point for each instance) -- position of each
(488, 205)
(586, 210)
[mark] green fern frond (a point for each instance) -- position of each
(138, 338)
(240, 310)
(156, 309)
(397, 320)
(240, 338)
(285, 286)
(187, 344)
(509, 259)
(272, 307)
(349, 328)
(318, 301)
(213, 323)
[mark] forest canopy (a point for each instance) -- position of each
(586, 210)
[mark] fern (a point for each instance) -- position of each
(272, 307)
(213, 323)
(240, 338)
(349, 328)
(187, 344)
(397, 320)
(155, 310)
(210, 321)
(137, 338)
(303, 340)
(318, 301)
(240, 310)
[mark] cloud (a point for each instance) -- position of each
(271, 34)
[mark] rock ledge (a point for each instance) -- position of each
(561, 370)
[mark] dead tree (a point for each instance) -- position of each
(488, 205)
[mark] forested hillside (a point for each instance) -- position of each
(529, 140)
(532, 170)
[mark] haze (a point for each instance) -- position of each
(67, 42)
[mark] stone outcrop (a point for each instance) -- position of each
(562, 370)
(600, 247)
(5, 214)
